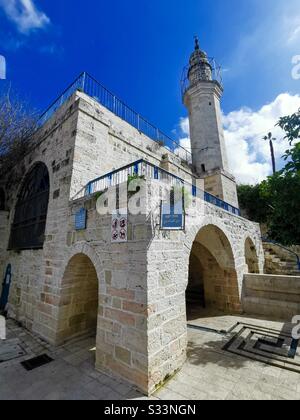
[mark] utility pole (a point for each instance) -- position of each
(271, 140)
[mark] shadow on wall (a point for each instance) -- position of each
(251, 257)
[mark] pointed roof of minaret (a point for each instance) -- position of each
(197, 46)
(200, 66)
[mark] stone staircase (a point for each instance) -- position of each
(279, 261)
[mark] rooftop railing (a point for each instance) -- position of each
(95, 90)
(146, 169)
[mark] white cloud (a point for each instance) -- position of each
(248, 153)
(294, 35)
(24, 14)
(269, 39)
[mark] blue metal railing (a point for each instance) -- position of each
(147, 170)
(95, 90)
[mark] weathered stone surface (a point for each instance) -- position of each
(123, 355)
(272, 296)
(132, 294)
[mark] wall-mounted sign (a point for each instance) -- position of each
(80, 219)
(119, 226)
(172, 217)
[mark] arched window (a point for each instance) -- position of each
(29, 224)
(2, 199)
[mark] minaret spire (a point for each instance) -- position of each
(197, 45)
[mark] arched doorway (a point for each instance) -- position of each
(28, 228)
(213, 283)
(78, 307)
(251, 257)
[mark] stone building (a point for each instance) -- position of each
(74, 273)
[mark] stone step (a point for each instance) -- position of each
(280, 261)
(271, 308)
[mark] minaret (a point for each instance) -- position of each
(202, 98)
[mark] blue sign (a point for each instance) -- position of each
(80, 219)
(172, 217)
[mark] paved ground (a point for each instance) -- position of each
(71, 376)
(210, 373)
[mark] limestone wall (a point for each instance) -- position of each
(80, 142)
(122, 276)
(105, 142)
(168, 265)
(141, 328)
(223, 186)
(35, 272)
(273, 296)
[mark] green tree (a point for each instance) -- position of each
(282, 192)
(292, 156)
(291, 126)
(275, 201)
(255, 206)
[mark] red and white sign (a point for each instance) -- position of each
(119, 226)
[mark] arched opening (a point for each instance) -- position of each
(251, 257)
(213, 284)
(78, 307)
(28, 228)
(2, 199)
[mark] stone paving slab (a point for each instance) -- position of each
(11, 349)
(270, 346)
(210, 373)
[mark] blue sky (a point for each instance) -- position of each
(138, 50)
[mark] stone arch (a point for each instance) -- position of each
(31, 209)
(90, 252)
(213, 279)
(79, 298)
(22, 179)
(210, 220)
(251, 256)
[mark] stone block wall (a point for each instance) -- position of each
(121, 344)
(277, 297)
(141, 312)
(223, 186)
(80, 142)
(100, 133)
(34, 272)
(168, 272)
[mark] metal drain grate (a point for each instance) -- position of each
(10, 350)
(36, 362)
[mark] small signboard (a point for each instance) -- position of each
(80, 219)
(172, 217)
(119, 226)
